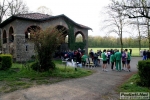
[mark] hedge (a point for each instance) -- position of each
(5, 61)
(144, 72)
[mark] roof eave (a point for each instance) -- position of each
(10, 19)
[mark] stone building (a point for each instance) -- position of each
(15, 33)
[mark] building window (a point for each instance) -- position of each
(26, 47)
(4, 37)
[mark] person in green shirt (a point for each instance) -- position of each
(128, 60)
(83, 59)
(118, 60)
(112, 60)
(104, 56)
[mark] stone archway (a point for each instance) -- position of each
(11, 34)
(64, 45)
(30, 29)
(4, 37)
(4, 49)
(11, 40)
(24, 47)
(79, 36)
(80, 40)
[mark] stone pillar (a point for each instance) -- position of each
(19, 42)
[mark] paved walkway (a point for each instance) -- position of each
(99, 86)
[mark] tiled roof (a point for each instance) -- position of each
(38, 17)
(34, 16)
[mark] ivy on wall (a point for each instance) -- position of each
(71, 38)
(80, 45)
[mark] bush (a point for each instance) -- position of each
(5, 61)
(35, 66)
(46, 43)
(50, 66)
(144, 73)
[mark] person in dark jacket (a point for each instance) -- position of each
(144, 54)
(95, 60)
(79, 55)
(148, 54)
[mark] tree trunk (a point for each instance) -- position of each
(148, 35)
(139, 38)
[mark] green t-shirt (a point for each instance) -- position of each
(129, 56)
(118, 55)
(104, 56)
(83, 58)
(112, 58)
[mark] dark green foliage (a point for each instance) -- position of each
(46, 43)
(144, 73)
(80, 45)
(5, 61)
(35, 66)
(71, 40)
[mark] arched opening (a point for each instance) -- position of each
(30, 29)
(4, 37)
(64, 45)
(80, 40)
(79, 37)
(63, 30)
(11, 34)
(66, 39)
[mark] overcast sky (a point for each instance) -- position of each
(86, 12)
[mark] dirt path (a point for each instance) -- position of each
(99, 86)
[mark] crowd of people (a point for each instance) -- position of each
(119, 60)
(78, 56)
(146, 54)
(75, 55)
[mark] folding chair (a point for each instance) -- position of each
(91, 62)
(87, 63)
(64, 61)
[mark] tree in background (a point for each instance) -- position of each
(116, 21)
(114, 42)
(11, 7)
(46, 43)
(136, 9)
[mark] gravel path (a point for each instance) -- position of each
(99, 86)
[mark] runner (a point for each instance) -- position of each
(128, 60)
(104, 56)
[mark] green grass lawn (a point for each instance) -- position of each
(135, 51)
(20, 77)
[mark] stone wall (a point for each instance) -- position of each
(23, 50)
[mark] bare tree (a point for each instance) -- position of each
(139, 34)
(4, 5)
(11, 7)
(17, 7)
(148, 31)
(134, 8)
(116, 21)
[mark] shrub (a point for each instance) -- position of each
(5, 61)
(144, 72)
(46, 43)
(35, 66)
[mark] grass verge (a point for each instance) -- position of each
(20, 77)
(131, 85)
